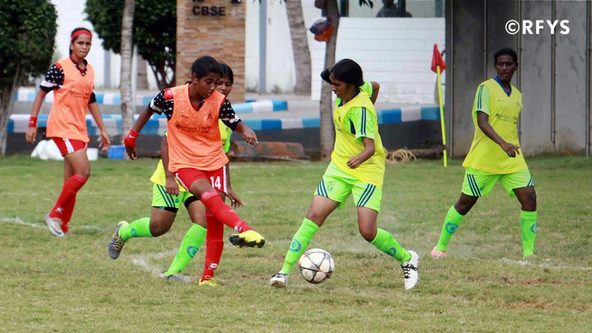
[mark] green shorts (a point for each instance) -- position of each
(337, 186)
(161, 199)
(479, 183)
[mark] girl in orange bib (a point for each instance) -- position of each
(195, 151)
(72, 81)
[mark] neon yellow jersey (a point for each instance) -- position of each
(353, 121)
(159, 176)
(504, 113)
(366, 87)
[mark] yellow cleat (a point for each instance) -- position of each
(208, 283)
(249, 238)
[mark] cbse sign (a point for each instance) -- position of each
(200, 9)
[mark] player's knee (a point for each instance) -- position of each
(368, 234)
(84, 173)
(159, 229)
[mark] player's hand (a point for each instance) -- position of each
(354, 162)
(131, 152)
(250, 136)
(510, 149)
(171, 186)
(235, 201)
(31, 134)
(105, 141)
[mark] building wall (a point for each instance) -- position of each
(552, 75)
(221, 36)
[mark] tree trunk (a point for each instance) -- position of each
(299, 46)
(142, 78)
(326, 104)
(6, 102)
(127, 22)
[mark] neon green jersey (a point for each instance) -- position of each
(159, 176)
(366, 87)
(504, 113)
(353, 121)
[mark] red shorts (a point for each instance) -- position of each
(68, 146)
(186, 177)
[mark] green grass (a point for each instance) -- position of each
(70, 284)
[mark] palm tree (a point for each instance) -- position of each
(299, 46)
(127, 22)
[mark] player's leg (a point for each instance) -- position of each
(475, 185)
(521, 185)
(74, 153)
(69, 206)
(194, 237)
(330, 192)
(162, 215)
(214, 248)
(367, 198)
(197, 182)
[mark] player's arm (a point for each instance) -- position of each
(362, 123)
(229, 118)
(483, 123)
(171, 183)
(54, 78)
(93, 107)
(482, 107)
(375, 89)
(235, 201)
(158, 104)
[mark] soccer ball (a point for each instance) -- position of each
(316, 265)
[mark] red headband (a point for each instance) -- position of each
(80, 32)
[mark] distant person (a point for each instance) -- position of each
(72, 82)
(495, 155)
(389, 9)
(357, 169)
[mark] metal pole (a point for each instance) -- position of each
(485, 39)
(449, 50)
(553, 76)
(588, 79)
(262, 47)
(107, 69)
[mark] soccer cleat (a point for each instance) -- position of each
(54, 225)
(208, 283)
(279, 280)
(177, 278)
(410, 273)
(116, 243)
(437, 254)
(249, 238)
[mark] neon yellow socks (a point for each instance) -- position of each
(192, 241)
(138, 228)
(386, 243)
(451, 223)
(299, 244)
(528, 227)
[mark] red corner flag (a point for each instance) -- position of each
(437, 60)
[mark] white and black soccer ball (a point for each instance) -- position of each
(316, 265)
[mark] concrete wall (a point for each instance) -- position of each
(553, 74)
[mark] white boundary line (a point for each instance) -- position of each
(548, 264)
(18, 221)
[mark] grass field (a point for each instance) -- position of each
(71, 285)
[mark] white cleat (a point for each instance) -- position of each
(279, 280)
(410, 271)
(54, 225)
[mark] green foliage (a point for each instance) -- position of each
(480, 287)
(155, 23)
(27, 35)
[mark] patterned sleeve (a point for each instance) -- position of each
(482, 99)
(227, 115)
(53, 79)
(163, 103)
(362, 123)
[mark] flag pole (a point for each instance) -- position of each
(444, 155)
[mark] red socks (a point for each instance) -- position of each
(214, 246)
(223, 212)
(65, 204)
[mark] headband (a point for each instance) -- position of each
(80, 32)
